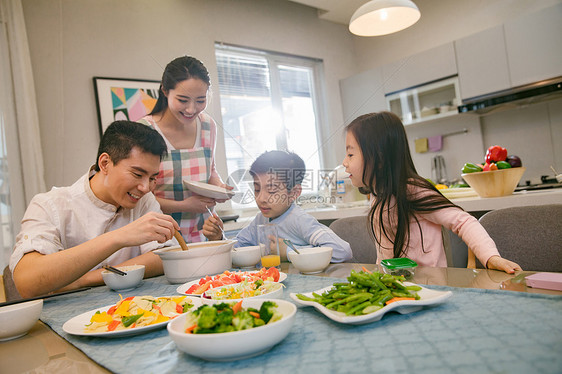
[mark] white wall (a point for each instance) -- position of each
(72, 41)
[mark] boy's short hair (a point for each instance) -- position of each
(122, 136)
(288, 167)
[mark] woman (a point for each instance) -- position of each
(190, 135)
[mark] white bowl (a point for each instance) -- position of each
(235, 345)
(205, 258)
(275, 293)
(17, 319)
(311, 260)
(245, 257)
(135, 274)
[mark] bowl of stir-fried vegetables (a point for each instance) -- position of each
(232, 331)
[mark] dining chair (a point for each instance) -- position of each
(10, 289)
(529, 235)
(355, 231)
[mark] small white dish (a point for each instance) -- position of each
(237, 345)
(186, 286)
(75, 325)
(246, 257)
(427, 297)
(311, 260)
(208, 190)
(17, 319)
(134, 276)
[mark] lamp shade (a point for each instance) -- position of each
(381, 17)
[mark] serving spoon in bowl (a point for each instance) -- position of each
(291, 245)
(180, 240)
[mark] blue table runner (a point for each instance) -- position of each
(474, 331)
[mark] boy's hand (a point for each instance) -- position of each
(152, 226)
(211, 227)
(499, 263)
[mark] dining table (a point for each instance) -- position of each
(492, 323)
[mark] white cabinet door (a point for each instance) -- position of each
(482, 63)
(362, 94)
(427, 66)
(534, 46)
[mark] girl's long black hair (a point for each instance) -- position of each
(388, 170)
(178, 70)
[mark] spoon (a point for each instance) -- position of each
(180, 240)
(291, 245)
(114, 270)
(552, 168)
(211, 213)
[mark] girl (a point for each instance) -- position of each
(190, 136)
(407, 211)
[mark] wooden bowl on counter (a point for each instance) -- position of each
(494, 183)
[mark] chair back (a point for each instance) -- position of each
(355, 231)
(530, 235)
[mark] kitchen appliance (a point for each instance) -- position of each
(340, 188)
(439, 170)
(522, 95)
(547, 182)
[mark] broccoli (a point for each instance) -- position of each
(243, 320)
(207, 317)
(268, 311)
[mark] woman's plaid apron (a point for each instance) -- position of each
(190, 164)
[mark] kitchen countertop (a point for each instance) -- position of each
(470, 204)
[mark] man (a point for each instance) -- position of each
(109, 216)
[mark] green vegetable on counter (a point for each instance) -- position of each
(469, 167)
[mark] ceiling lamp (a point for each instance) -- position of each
(381, 17)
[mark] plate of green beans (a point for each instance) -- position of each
(367, 296)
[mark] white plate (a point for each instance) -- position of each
(208, 190)
(75, 325)
(184, 287)
(427, 297)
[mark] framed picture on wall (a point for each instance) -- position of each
(123, 99)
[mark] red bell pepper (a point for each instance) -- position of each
(496, 153)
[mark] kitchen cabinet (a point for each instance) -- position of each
(533, 46)
(362, 94)
(482, 63)
(427, 66)
(430, 101)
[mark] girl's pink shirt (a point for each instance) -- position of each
(432, 253)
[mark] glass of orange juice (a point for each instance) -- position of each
(269, 245)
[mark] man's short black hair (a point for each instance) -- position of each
(122, 136)
(288, 167)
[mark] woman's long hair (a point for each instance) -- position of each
(178, 70)
(388, 170)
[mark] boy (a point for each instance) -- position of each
(277, 184)
(109, 216)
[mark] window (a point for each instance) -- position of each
(269, 101)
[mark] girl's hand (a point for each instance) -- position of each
(211, 228)
(198, 203)
(499, 263)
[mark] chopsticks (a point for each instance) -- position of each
(180, 240)
(114, 270)
(43, 296)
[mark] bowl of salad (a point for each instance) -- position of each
(233, 331)
(258, 289)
